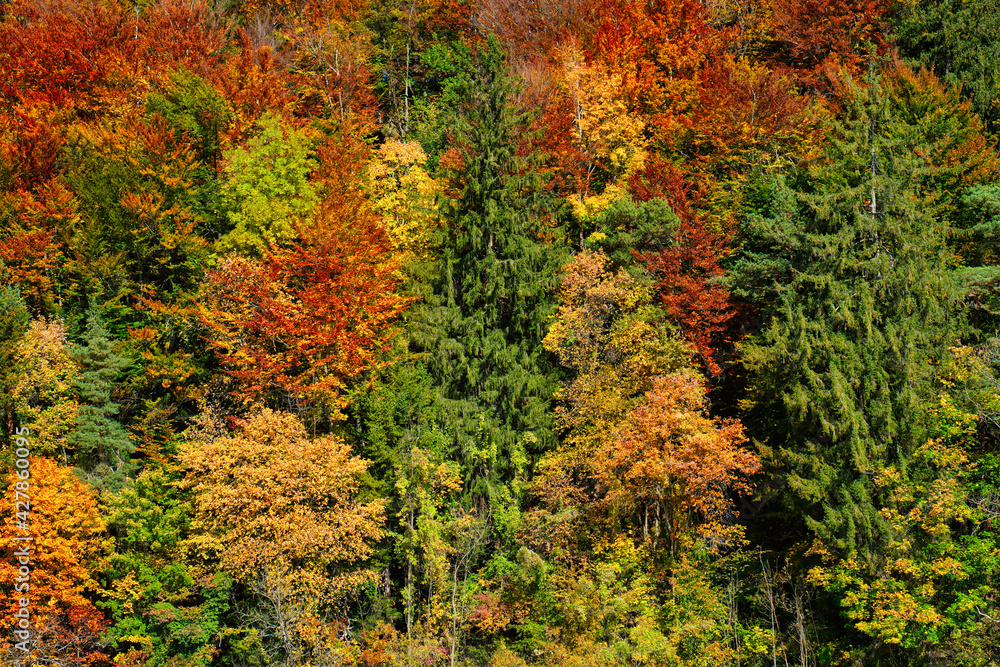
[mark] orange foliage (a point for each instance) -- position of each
(747, 115)
(821, 36)
(253, 82)
(66, 531)
(267, 495)
(61, 52)
(31, 143)
(308, 318)
(674, 465)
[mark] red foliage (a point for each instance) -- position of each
(661, 179)
(61, 53)
(688, 272)
(822, 35)
(31, 143)
(174, 33)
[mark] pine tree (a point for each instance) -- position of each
(103, 447)
(960, 39)
(866, 308)
(481, 326)
(14, 322)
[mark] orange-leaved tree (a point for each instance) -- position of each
(61, 517)
(307, 318)
(673, 468)
(281, 513)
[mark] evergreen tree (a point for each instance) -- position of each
(103, 447)
(865, 307)
(485, 313)
(960, 39)
(14, 322)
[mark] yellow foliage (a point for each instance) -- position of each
(609, 135)
(404, 195)
(43, 398)
(267, 495)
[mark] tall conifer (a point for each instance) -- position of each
(483, 320)
(103, 447)
(844, 371)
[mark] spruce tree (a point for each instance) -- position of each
(865, 308)
(103, 447)
(485, 312)
(14, 322)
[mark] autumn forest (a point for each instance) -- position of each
(500, 333)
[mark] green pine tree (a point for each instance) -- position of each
(865, 308)
(485, 313)
(103, 447)
(14, 322)
(960, 39)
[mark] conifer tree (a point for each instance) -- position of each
(865, 308)
(960, 39)
(14, 322)
(481, 326)
(103, 447)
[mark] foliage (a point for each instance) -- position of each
(13, 325)
(865, 309)
(102, 447)
(957, 39)
(486, 304)
(66, 547)
(266, 188)
(307, 319)
(342, 407)
(43, 397)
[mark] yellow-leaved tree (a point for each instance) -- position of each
(46, 580)
(280, 512)
(404, 194)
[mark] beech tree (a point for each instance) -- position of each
(281, 512)
(67, 544)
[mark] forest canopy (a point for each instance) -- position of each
(508, 334)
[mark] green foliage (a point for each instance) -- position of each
(140, 213)
(978, 218)
(960, 39)
(161, 607)
(844, 371)
(479, 331)
(266, 189)
(432, 115)
(14, 321)
(628, 225)
(196, 112)
(931, 590)
(103, 449)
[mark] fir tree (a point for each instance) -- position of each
(14, 322)
(485, 314)
(103, 447)
(960, 40)
(865, 308)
